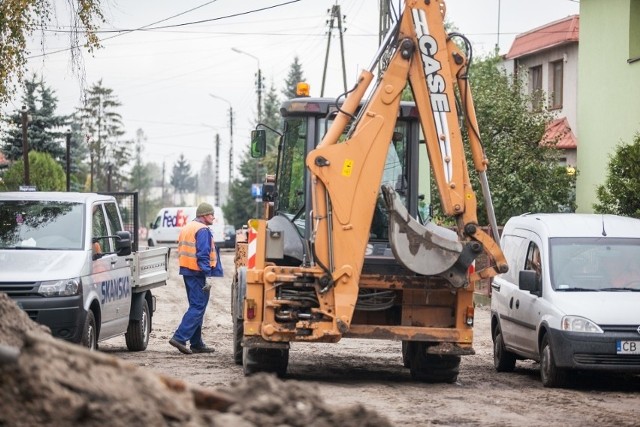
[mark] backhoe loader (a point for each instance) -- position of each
(344, 248)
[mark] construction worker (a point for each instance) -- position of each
(197, 259)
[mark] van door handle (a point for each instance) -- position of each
(511, 303)
(495, 286)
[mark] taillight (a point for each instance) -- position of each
(251, 309)
(469, 315)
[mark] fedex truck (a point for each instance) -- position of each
(165, 229)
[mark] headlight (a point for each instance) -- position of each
(579, 324)
(59, 288)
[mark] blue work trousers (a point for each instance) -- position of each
(190, 328)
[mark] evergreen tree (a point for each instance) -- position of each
(619, 194)
(44, 173)
(140, 176)
(294, 77)
(109, 153)
(272, 120)
(79, 155)
(206, 178)
(240, 206)
(181, 178)
(45, 130)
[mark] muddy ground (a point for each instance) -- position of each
(371, 373)
(358, 379)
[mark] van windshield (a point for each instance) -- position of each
(37, 224)
(595, 264)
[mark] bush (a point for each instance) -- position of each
(619, 194)
(44, 173)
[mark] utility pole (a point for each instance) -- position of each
(230, 135)
(68, 160)
(25, 144)
(90, 145)
(335, 15)
(163, 168)
(217, 183)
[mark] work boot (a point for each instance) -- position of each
(182, 347)
(202, 349)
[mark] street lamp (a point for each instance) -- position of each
(231, 135)
(258, 80)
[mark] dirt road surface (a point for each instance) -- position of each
(370, 372)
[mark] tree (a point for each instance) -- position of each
(19, 19)
(44, 173)
(141, 176)
(45, 130)
(294, 77)
(181, 178)
(206, 177)
(619, 194)
(109, 153)
(240, 206)
(79, 154)
(524, 175)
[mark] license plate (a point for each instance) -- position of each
(628, 347)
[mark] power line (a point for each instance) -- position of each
(149, 27)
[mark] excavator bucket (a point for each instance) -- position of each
(428, 249)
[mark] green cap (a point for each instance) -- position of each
(204, 209)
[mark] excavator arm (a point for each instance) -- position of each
(346, 175)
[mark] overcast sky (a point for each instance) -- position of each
(163, 77)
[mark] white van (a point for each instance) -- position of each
(164, 231)
(571, 298)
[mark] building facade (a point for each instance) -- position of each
(609, 87)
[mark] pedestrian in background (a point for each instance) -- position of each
(197, 259)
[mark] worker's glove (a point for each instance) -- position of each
(208, 284)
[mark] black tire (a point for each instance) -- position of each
(503, 359)
(238, 324)
(137, 336)
(432, 368)
(406, 357)
(550, 374)
(90, 332)
(265, 360)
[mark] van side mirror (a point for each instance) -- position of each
(258, 143)
(529, 280)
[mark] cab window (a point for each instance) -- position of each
(99, 229)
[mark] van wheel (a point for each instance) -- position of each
(137, 336)
(550, 374)
(90, 332)
(503, 359)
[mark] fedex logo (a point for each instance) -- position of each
(178, 220)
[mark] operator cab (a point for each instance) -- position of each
(305, 122)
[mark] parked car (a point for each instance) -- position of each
(570, 298)
(229, 237)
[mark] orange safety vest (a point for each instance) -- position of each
(187, 247)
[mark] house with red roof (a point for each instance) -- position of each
(549, 56)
